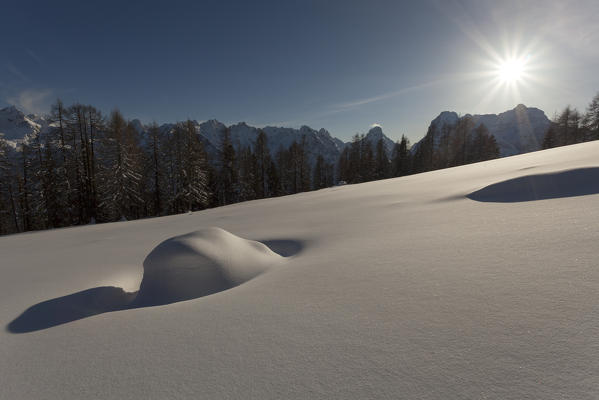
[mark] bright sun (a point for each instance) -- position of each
(512, 70)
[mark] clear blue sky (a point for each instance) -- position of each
(341, 65)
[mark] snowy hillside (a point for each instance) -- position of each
(517, 131)
(474, 282)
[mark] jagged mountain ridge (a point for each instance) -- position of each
(243, 135)
(16, 127)
(374, 135)
(517, 131)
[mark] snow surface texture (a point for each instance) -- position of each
(412, 288)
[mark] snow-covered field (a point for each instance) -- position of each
(421, 287)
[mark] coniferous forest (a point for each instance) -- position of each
(92, 168)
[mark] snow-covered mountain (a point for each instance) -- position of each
(517, 131)
(520, 130)
(375, 134)
(15, 125)
(317, 142)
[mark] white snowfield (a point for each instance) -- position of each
(476, 282)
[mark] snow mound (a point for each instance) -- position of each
(201, 263)
(184, 267)
(570, 183)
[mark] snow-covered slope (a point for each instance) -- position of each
(445, 285)
(517, 131)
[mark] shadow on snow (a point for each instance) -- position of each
(576, 182)
(99, 300)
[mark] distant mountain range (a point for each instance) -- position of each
(517, 131)
(16, 126)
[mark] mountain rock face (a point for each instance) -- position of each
(517, 131)
(242, 135)
(374, 135)
(16, 126)
(520, 130)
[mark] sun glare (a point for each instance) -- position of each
(512, 70)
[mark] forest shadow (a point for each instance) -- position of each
(205, 280)
(571, 183)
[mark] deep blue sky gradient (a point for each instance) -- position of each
(341, 65)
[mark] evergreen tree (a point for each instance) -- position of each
(9, 219)
(121, 171)
(227, 181)
(343, 165)
(482, 145)
(591, 119)
(299, 168)
(423, 157)
(355, 174)
(262, 164)
(286, 170)
(381, 170)
(24, 184)
(44, 205)
(50, 175)
(401, 162)
(367, 163)
(460, 138)
(550, 139)
(190, 179)
(564, 127)
(320, 173)
(491, 148)
(84, 125)
(247, 175)
(32, 152)
(274, 182)
(65, 163)
(443, 155)
(154, 170)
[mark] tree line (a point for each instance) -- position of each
(92, 168)
(452, 145)
(570, 126)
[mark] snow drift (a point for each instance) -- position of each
(201, 263)
(184, 267)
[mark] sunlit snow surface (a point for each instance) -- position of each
(444, 285)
